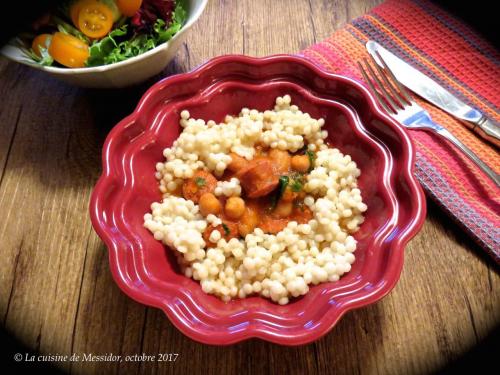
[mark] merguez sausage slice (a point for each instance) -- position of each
(259, 178)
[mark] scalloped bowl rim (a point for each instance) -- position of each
(256, 331)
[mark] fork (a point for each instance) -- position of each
(400, 105)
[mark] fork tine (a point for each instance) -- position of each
(401, 99)
(380, 99)
(392, 101)
(401, 88)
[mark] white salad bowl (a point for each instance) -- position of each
(123, 73)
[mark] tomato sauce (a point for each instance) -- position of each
(269, 223)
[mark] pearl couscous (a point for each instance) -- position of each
(258, 204)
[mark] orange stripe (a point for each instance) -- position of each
(421, 58)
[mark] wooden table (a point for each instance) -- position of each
(57, 295)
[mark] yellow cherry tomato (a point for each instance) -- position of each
(128, 7)
(95, 19)
(68, 50)
(75, 8)
(41, 41)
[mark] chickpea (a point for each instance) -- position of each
(209, 204)
(235, 208)
(283, 209)
(301, 163)
(237, 162)
(281, 159)
(248, 222)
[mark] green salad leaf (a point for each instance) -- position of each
(106, 50)
(166, 33)
(45, 60)
(118, 45)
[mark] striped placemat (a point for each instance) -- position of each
(448, 51)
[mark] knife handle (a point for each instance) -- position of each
(487, 129)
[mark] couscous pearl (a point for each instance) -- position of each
(349, 257)
(283, 301)
(247, 288)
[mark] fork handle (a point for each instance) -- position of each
(471, 155)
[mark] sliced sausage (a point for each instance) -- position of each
(259, 178)
(237, 162)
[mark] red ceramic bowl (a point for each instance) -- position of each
(147, 271)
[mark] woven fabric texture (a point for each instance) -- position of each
(448, 51)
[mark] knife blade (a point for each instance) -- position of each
(433, 92)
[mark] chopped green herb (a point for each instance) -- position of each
(297, 182)
(200, 181)
(312, 156)
(226, 229)
(296, 186)
(284, 180)
(283, 183)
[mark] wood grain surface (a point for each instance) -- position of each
(57, 295)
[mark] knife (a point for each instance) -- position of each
(430, 90)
